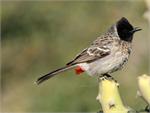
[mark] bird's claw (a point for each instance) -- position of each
(107, 77)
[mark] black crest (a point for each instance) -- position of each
(124, 29)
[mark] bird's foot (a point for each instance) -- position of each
(107, 77)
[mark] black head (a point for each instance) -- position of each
(125, 29)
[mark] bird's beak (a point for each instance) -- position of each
(136, 29)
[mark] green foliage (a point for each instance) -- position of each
(38, 37)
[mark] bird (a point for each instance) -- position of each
(105, 55)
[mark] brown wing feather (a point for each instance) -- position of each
(90, 54)
(98, 49)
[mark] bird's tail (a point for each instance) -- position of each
(53, 73)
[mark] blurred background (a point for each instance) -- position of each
(38, 37)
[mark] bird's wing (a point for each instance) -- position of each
(90, 54)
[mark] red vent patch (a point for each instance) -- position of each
(79, 70)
